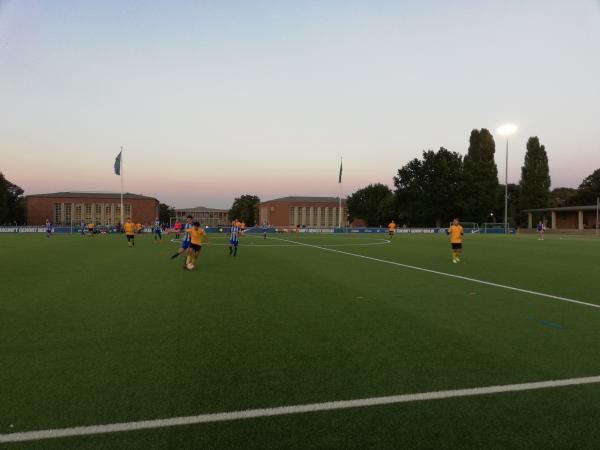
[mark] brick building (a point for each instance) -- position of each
(303, 211)
(211, 217)
(69, 208)
(566, 217)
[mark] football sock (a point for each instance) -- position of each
(230, 250)
(175, 256)
(235, 252)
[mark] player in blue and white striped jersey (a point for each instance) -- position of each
(187, 239)
(157, 230)
(234, 238)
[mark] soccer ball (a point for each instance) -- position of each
(190, 266)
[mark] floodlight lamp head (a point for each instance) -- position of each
(507, 129)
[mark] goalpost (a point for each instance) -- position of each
(494, 227)
(469, 227)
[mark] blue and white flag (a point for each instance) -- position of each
(118, 164)
(340, 178)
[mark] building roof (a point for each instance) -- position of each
(81, 194)
(564, 209)
(201, 209)
(300, 199)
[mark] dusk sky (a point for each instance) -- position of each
(214, 99)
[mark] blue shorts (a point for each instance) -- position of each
(185, 244)
(234, 242)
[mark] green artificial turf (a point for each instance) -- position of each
(93, 332)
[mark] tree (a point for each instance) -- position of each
(535, 177)
(428, 190)
(480, 177)
(245, 208)
(589, 189)
(12, 202)
(374, 204)
(563, 196)
(165, 212)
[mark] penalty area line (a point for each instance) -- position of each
(449, 275)
(286, 410)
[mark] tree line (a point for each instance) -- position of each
(442, 184)
(12, 203)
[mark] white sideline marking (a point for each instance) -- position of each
(285, 410)
(450, 275)
(368, 244)
(579, 239)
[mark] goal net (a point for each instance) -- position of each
(494, 227)
(469, 227)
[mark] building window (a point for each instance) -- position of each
(58, 214)
(77, 213)
(300, 219)
(107, 215)
(292, 214)
(98, 208)
(68, 216)
(127, 211)
(88, 213)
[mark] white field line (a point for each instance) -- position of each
(285, 410)
(364, 244)
(450, 275)
(579, 239)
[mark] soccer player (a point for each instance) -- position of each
(234, 238)
(48, 228)
(90, 227)
(185, 244)
(456, 233)
(392, 229)
(177, 229)
(82, 227)
(196, 235)
(540, 230)
(157, 230)
(129, 228)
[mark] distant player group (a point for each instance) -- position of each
(194, 236)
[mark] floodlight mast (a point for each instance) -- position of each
(506, 130)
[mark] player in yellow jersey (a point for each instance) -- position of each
(456, 232)
(129, 229)
(90, 227)
(392, 228)
(197, 235)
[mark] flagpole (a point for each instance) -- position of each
(340, 197)
(597, 212)
(121, 170)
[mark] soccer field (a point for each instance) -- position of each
(95, 333)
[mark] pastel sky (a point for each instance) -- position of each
(214, 99)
